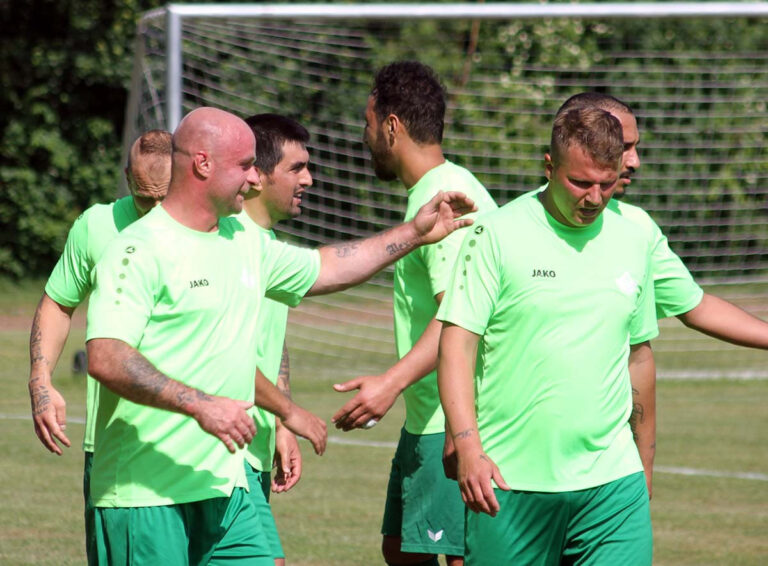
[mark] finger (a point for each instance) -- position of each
(357, 418)
(225, 438)
(479, 498)
(45, 438)
(244, 404)
(58, 432)
(500, 480)
(342, 414)
(347, 385)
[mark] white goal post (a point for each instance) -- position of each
(696, 74)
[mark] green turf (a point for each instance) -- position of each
(332, 517)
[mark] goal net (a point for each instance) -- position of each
(695, 74)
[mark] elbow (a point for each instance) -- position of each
(100, 361)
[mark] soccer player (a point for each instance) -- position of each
(553, 298)
(676, 292)
(171, 333)
(148, 173)
(282, 163)
(424, 514)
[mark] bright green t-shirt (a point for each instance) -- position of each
(70, 281)
(675, 290)
(270, 338)
(557, 309)
(419, 277)
(189, 302)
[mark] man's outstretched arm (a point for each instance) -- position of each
(351, 263)
(725, 321)
(122, 369)
(50, 328)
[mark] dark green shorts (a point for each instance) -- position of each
(424, 508)
(224, 530)
(259, 485)
(602, 526)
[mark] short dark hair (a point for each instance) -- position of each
(596, 131)
(595, 100)
(272, 131)
(411, 91)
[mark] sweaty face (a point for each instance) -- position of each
(282, 190)
(630, 160)
(374, 137)
(234, 173)
(579, 188)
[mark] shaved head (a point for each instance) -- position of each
(213, 155)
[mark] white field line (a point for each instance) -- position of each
(392, 445)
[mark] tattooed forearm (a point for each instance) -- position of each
(284, 377)
(346, 249)
(35, 341)
(146, 382)
(395, 249)
(637, 415)
(464, 434)
(39, 395)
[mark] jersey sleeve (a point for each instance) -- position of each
(643, 325)
(475, 282)
(288, 271)
(70, 280)
(125, 284)
(676, 291)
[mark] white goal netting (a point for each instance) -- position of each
(699, 86)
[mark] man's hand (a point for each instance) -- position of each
(438, 218)
(303, 423)
(226, 419)
(287, 459)
(450, 461)
(49, 412)
(475, 474)
(375, 398)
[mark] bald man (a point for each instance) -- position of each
(148, 173)
(170, 335)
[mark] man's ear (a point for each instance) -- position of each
(393, 127)
(548, 166)
(202, 164)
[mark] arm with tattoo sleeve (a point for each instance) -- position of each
(50, 328)
(642, 374)
(123, 370)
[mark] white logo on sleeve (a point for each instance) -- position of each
(435, 537)
(626, 284)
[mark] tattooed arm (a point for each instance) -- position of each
(287, 453)
(351, 263)
(642, 374)
(123, 370)
(50, 328)
(455, 382)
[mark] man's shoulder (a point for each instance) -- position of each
(635, 216)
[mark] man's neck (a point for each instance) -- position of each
(256, 212)
(417, 161)
(190, 212)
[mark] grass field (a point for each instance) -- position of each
(715, 429)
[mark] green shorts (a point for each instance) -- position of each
(223, 530)
(601, 526)
(259, 484)
(423, 508)
(90, 512)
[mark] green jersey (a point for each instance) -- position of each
(419, 277)
(70, 281)
(675, 290)
(189, 302)
(270, 338)
(557, 309)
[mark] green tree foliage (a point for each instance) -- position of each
(64, 70)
